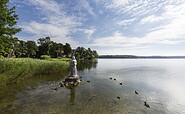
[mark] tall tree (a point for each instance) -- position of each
(44, 46)
(31, 49)
(67, 49)
(21, 49)
(8, 19)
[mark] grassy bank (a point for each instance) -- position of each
(15, 69)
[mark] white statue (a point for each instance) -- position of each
(73, 70)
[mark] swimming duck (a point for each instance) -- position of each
(136, 92)
(146, 104)
(118, 97)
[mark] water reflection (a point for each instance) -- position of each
(72, 95)
(83, 65)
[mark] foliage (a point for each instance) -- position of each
(49, 49)
(15, 69)
(31, 49)
(21, 49)
(44, 46)
(67, 49)
(8, 19)
(85, 54)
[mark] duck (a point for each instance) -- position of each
(89, 81)
(114, 79)
(118, 97)
(136, 92)
(146, 104)
(111, 78)
(120, 83)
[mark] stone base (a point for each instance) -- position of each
(71, 78)
(70, 82)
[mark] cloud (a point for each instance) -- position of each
(54, 21)
(116, 3)
(85, 4)
(151, 19)
(171, 31)
(40, 30)
(89, 32)
(126, 22)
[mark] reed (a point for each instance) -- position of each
(15, 69)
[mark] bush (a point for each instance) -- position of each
(45, 57)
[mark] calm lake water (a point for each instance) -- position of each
(159, 82)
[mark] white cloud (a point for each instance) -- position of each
(126, 22)
(151, 19)
(89, 32)
(41, 30)
(116, 3)
(170, 32)
(57, 24)
(85, 4)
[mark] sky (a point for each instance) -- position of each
(116, 27)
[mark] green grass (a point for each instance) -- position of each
(59, 59)
(16, 69)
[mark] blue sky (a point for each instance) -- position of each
(135, 27)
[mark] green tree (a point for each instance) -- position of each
(85, 54)
(67, 49)
(21, 49)
(44, 46)
(8, 19)
(31, 49)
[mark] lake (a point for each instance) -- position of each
(159, 82)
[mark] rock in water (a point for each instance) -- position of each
(111, 78)
(115, 79)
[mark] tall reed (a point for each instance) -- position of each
(14, 69)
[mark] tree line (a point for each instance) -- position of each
(13, 47)
(44, 46)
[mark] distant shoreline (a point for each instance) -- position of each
(139, 57)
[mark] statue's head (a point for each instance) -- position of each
(73, 57)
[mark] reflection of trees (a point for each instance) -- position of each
(83, 65)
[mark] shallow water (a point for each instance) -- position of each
(159, 82)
